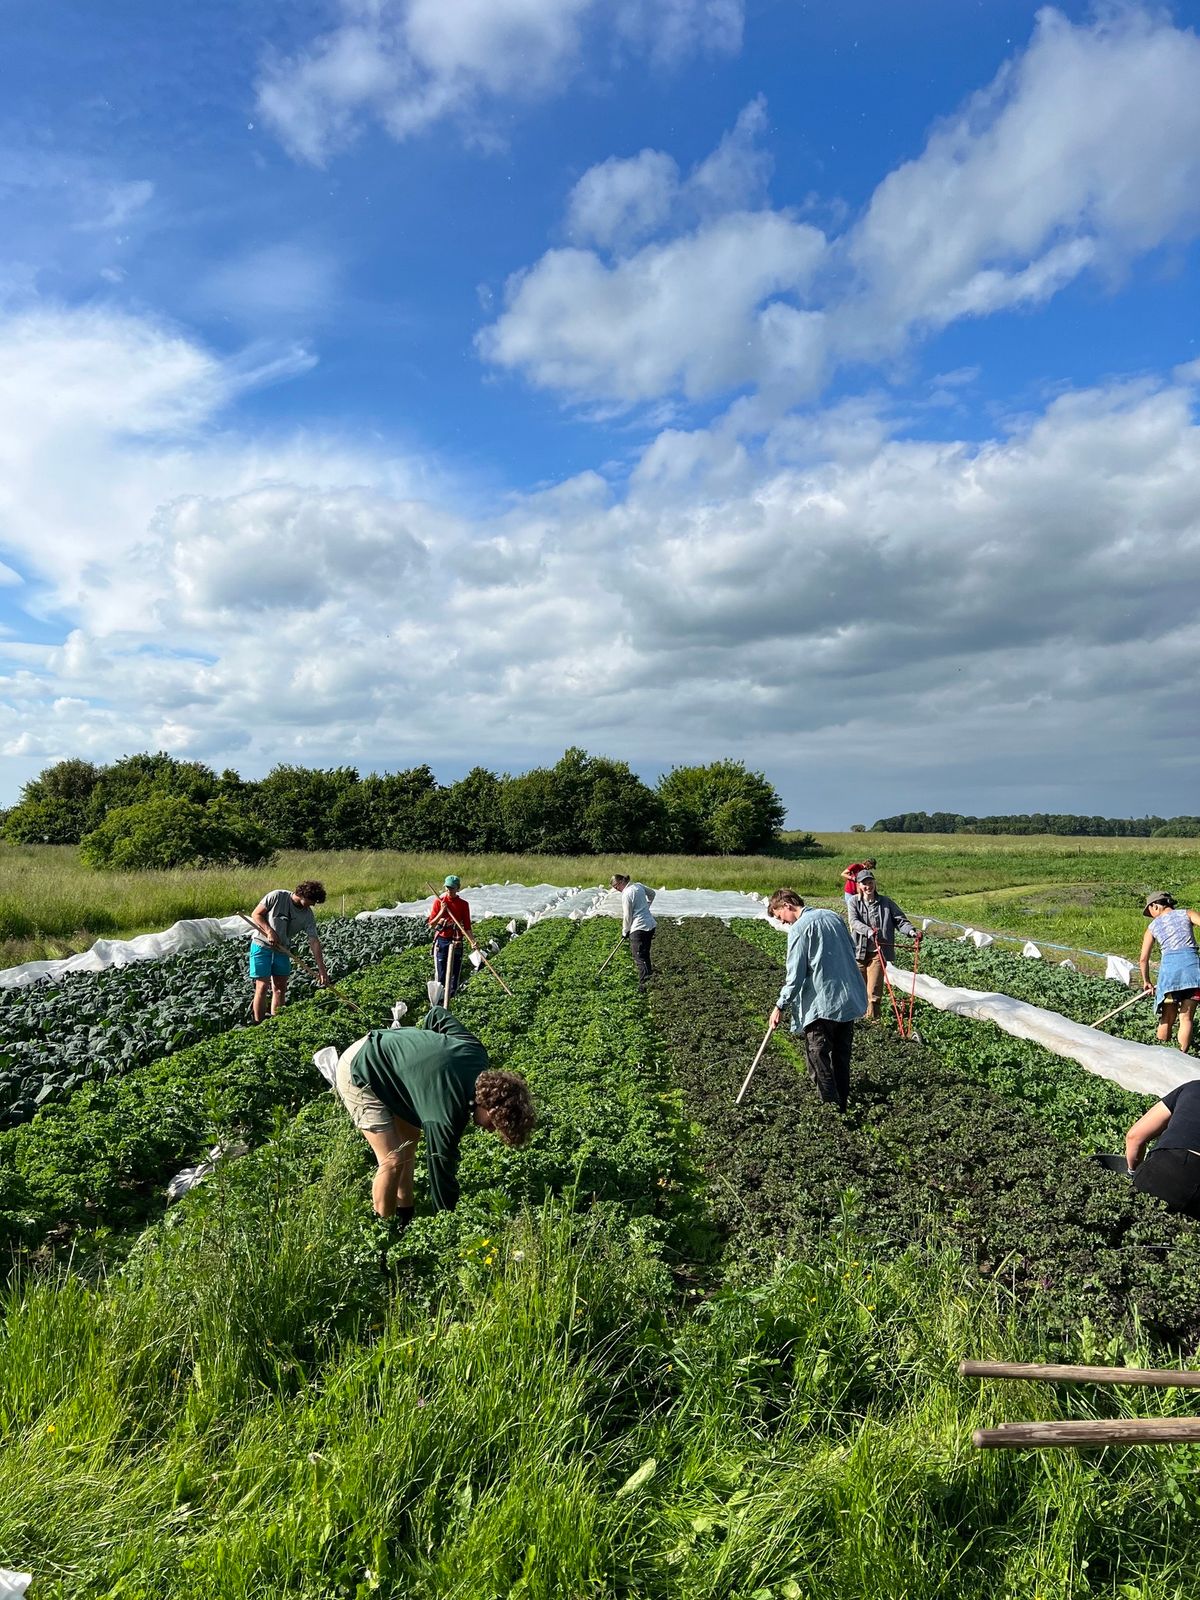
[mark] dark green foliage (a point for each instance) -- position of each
(170, 831)
(720, 809)
(925, 1149)
(97, 1025)
(1040, 822)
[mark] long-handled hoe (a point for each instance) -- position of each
(888, 982)
(754, 1064)
(611, 954)
(471, 942)
(309, 971)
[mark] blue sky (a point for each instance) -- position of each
(455, 380)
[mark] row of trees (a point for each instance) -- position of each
(581, 805)
(1042, 822)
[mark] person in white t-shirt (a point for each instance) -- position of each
(637, 922)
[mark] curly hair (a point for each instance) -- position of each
(505, 1097)
(312, 891)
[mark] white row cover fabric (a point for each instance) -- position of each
(1142, 1068)
(189, 934)
(545, 901)
(13, 1584)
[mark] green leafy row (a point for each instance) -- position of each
(85, 1026)
(930, 1153)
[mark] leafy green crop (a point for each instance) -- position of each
(87, 1026)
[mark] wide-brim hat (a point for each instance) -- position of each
(1158, 898)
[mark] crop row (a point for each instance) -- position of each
(85, 1026)
(1085, 1111)
(927, 1152)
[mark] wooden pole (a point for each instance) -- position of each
(1087, 1435)
(1145, 1377)
(754, 1064)
(1116, 1012)
(467, 936)
(309, 971)
(611, 954)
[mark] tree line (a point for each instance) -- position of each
(155, 810)
(1042, 822)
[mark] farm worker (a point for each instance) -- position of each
(435, 1079)
(282, 915)
(850, 880)
(1178, 986)
(1172, 1169)
(823, 991)
(447, 939)
(874, 920)
(637, 922)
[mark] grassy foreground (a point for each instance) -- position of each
(1071, 891)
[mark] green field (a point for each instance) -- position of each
(1079, 892)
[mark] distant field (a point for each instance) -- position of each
(1072, 891)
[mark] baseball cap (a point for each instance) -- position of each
(452, 881)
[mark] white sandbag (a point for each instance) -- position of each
(1031, 950)
(1117, 967)
(1148, 1069)
(981, 940)
(13, 1584)
(326, 1061)
(476, 959)
(399, 1012)
(1070, 966)
(189, 1177)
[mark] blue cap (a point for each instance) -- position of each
(452, 881)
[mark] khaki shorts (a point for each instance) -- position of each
(367, 1110)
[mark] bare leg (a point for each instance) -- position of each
(278, 994)
(395, 1150)
(1187, 1011)
(262, 987)
(1166, 1021)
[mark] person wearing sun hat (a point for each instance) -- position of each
(1178, 986)
(449, 909)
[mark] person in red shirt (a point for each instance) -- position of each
(850, 879)
(448, 909)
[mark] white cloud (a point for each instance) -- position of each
(280, 282)
(693, 315)
(958, 609)
(1084, 150)
(1083, 153)
(408, 63)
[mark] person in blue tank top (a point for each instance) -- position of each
(1178, 986)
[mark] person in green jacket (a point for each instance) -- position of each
(434, 1079)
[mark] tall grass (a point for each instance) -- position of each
(248, 1410)
(1074, 891)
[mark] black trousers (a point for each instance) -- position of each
(1174, 1176)
(442, 947)
(828, 1046)
(639, 945)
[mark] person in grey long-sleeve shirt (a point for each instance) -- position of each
(874, 923)
(823, 990)
(637, 922)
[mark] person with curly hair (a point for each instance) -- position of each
(282, 916)
(435, 1079)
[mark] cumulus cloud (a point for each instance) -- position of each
(409, 63)
(1082, 154)
(831, 588)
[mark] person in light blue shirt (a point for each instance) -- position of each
(823, 991)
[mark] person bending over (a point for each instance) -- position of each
(1172, 1169)
(398, 1084)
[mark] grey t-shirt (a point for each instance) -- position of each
(288, 921)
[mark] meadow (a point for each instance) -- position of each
(1078, 892)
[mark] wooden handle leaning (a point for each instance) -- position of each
(470, 940)
(1087, 1435)
(1145, 1377)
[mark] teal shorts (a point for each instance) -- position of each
(268, 963)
